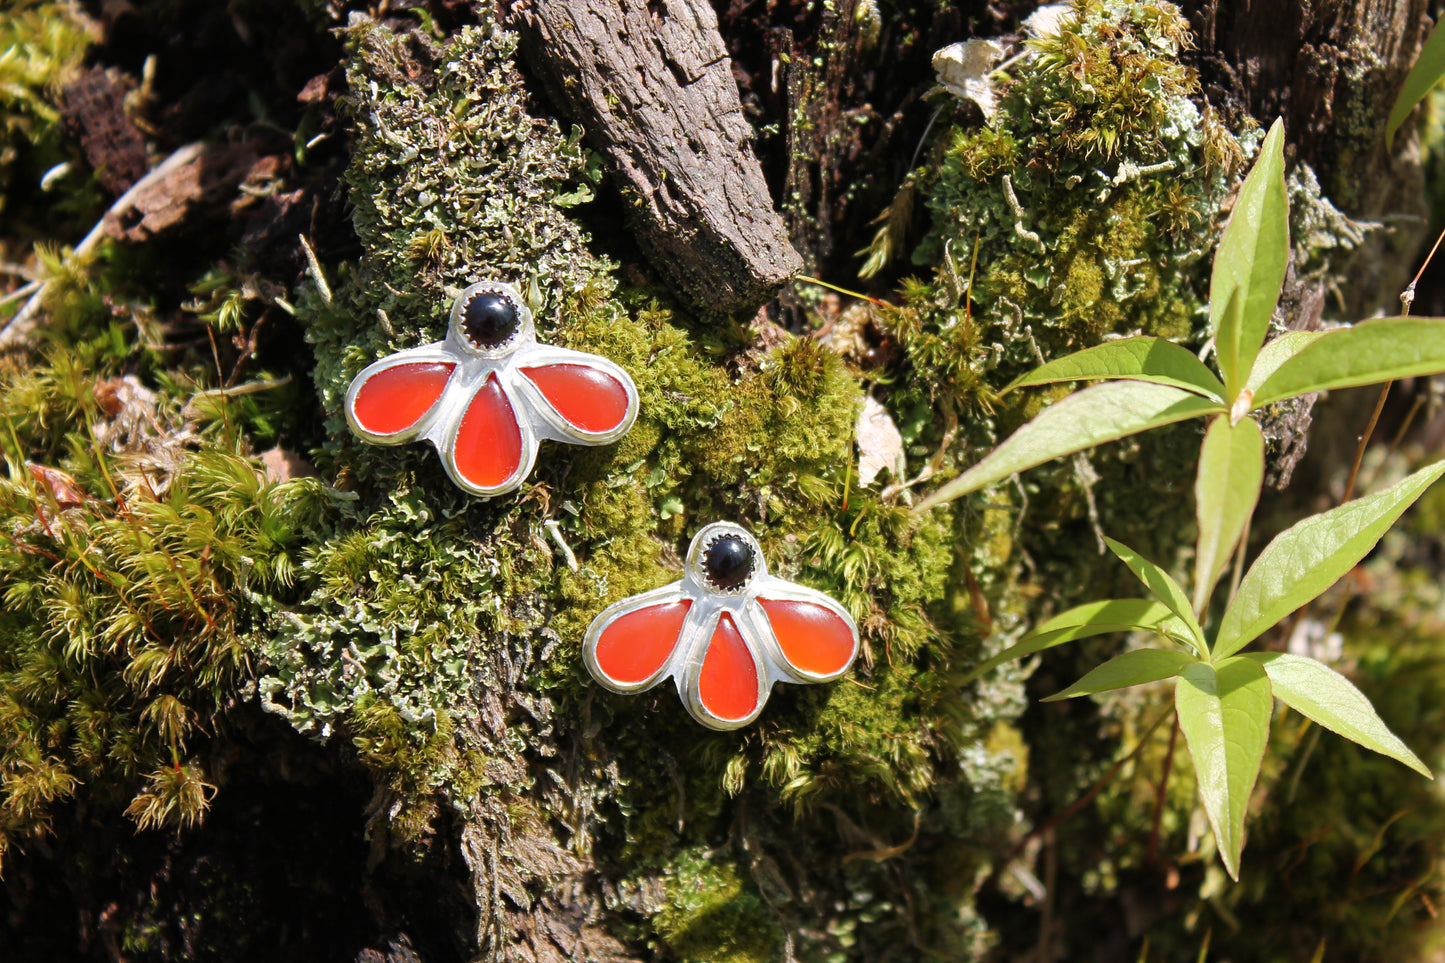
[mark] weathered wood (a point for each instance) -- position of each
(651, 83)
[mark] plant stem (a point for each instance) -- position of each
(1073, 808)
(1364, 442)
(1151, 854)
(834, 287)
(1407, 299)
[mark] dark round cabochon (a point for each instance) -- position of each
(489, 319)
(728, 562)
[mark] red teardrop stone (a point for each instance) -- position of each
(813, 637)
(587, 399)
(488, 446)
(634, 646)
(728, 682)
(396, 398)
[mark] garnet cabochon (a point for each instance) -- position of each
(396, 398)
(634, 646)
(813, 637)
(587, 399)
(488, 447)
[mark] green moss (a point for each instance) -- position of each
(984, 155)
(135, 568)
(712, 916)
(43, 44)
(1083, 208)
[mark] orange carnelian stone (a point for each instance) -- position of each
(813, 638)
(395, 399)
(489, 444)
(728, 683)
(589, 400)
(634, 646)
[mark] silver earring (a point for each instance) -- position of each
(487, 394)
(725, 633)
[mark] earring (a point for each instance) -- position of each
(489, 392)
(725, 633)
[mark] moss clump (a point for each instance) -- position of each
(1084, 207)
(710, 914)
(43, 44)
(135, 568)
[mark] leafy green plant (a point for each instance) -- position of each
(1150, 382)
(1222, 697)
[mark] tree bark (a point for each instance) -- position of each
(651, 82)
(1332, 70)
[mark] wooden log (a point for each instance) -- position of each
(651, 83)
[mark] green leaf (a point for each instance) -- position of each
(1224, 714)
(1322, 695)
(1131, 668)
(1310, 556)
(1135, 613)
(1164, 588)
(1250, 262)
(1140, 359)
(1276, 352)
(1226, 489)
(1082, 420)
(1367, 353)
(1082, 622)
(1428, 69)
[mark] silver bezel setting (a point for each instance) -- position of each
(537, 420)
(709, 604)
